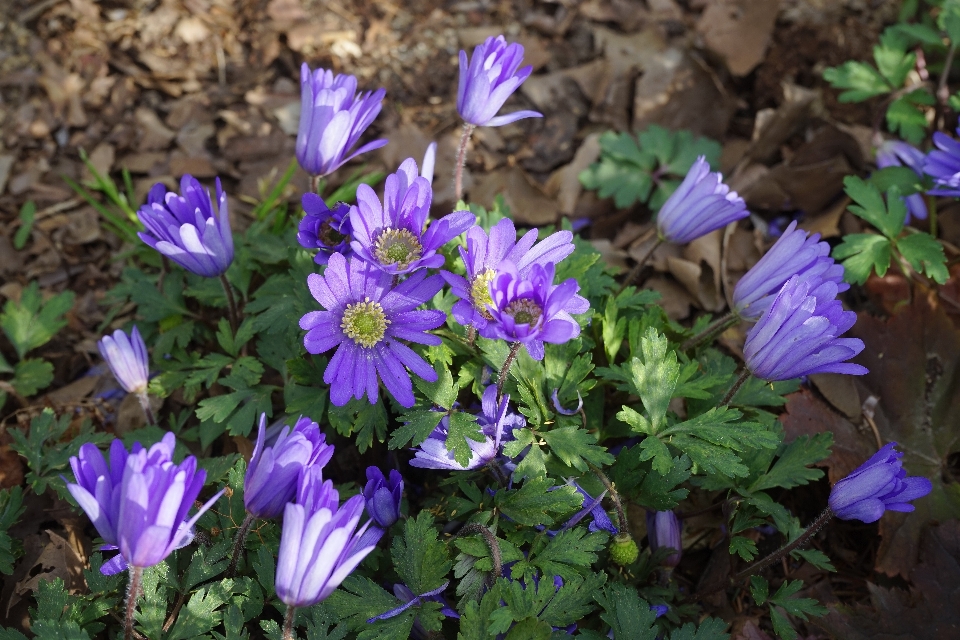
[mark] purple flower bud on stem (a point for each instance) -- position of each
(491, 76)
(663, 530)
(127, 358)
(879, 484)
(701, 204)
(383, 497)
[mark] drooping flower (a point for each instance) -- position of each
(532, 310)
(410, 599)
(943, 163)
(186, 228)
(483, 256)
(701, 204)
(797, 334)
(663, 530)
(593, 507)
(273, 473)
(793, 254)
(333, 116)
(896, 153)
(395, 237)
(383, 496)
(318, 547)
(366, 318)
(878, 485)
(491, 76)
(139, 502)
(327, 230)
(127, 358)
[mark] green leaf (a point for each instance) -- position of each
(32, 375)
(537, 502)
(233, 343)
(759, 589)
(574, 601)
(743, 547)
(358, 599)
(906, 115)
(462, 426)
(628, 615)
(894, 63)
(416, 426)
(887, 216)
(655, 376)
(925, 253)
(11, 508)
(861, 255)
(860, 81)
(576, 447)
(360, 419)
(709, 629)
(58, 630)
(570, 552)
(27, 214)
(31, 323)
(442, 393)
(201, 614)
(418, 556)
(792, 467)
(713, 438)
(800, 607)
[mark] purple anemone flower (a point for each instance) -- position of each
(793, 254)
(318, 547)
(186, 228)
(532, 310)
(701, 204)
(663, 530)
(797, 335)
(333, 116)
(878, 485)
(127, 358)
(273, 473)
(366, 318)
(325, 229)
(491, 77)
(393, 236)
(383, 496)
(943, 163)
(139, 502)
(592, 507)
(896, 153)
(483, 256)
(429, 161)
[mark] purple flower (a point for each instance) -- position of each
(701, 204)
(383, 497)
(797, 335)
(490, 78)
(483, 256)
(943, 163)
(429, 160)
(879, 484)
(593, 507)
(139, 502)
(793, 254)
(333, 116)
(393, 236)
(559, 408)
(896, 153)
(532, 310)
(127, 358)
(186, 229)
(318, 547)
(325, 229)
(366, 318)
(273, 473)
(663, 530)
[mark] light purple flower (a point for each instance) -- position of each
(943, 163)
(333, 116)
(701, 204)
(491, 77)
(793, 254)
(532, 310)
(186, 228)
(394, 236)
(878, 485)
(127, 358)
(896, 153)
(483, 256)
(593, 507)
(383, 496)
(429, 161)
(273, 473)
(366, 318)
(797, 335)
(663, 530)
(325, 229)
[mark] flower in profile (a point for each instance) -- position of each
(797, 334)
(491, 76)
(410, 599)
(897, 153)
(186, 228)
(701, 204)
(592, 507)
(139, 502)
(367, 319)
(333, 116)
(394, 236)
(318, 547)
(325, 229)
(483, 256)
(127, 358)
(943, 164)
(383, 496)
(273, 473)
(663, 530)
(879, 484)
(792, 254)
(429, 161)
(532, 310)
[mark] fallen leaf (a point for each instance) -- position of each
(739, 31)
(528, 204)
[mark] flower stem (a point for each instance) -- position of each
(316, 183)
(494, 545)
(231, 304)
(242, 533)
(801, 540)
(943, 91)
(461, 159)
(932, 209)
(147, 409)
(736, 387)
(637, 268)
(471, 335)
(502, 378)
(133, 592)
(288, 622)
(612, 491)
(719, 325)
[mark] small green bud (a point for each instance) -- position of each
(624, 550)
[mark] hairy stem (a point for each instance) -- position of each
(943, 91)
(471, 335)
(637, 268)
(133, 593)
(801, 540)
(494, 545)
(147, 409)
(502, 378)
(612, 491)
(231, 304)
(238, 542)
(719, 325)
(736, 387)
(461, 160)
(288, 622)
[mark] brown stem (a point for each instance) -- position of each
(315, 184)
(801, 540)
(288, 622)
(231, 304)
(612, 491)
(471, 335)
(133, 592)
(147, 409)
(637, 268)
(502, 378)
(943, 92)
(492, 543)
(736, 387)
(176, 611)
(461, 159)
(242, 533)
(717, 326)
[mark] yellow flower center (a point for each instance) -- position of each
(480, 292)
(397, 246)
(365, 322)
(524, 311)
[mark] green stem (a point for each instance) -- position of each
(719, 325)
(461, 160)
(231, 304)
(288, 622)
(801, 540)
(133, 592)
(736, 387)
(637, 268)
(147, 409)
(502, 378)
(242, 533)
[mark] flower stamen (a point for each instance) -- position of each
(365, 322)
(397, 246)
(480, 292)
(524, 311)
